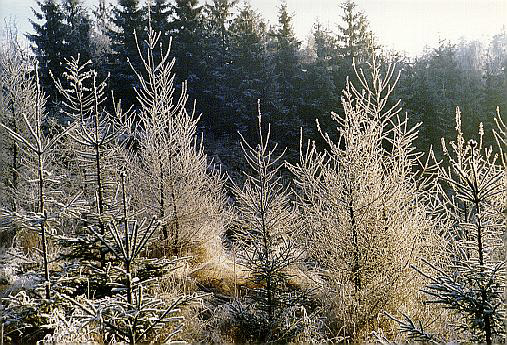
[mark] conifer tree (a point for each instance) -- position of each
(39, 145)
(495, 76)
(159, 20)
(78, 27)
(471, 279)
(250, 70)
(178, 189)
(132, 314)
(267, 226)
(287, 67)
(354, 35)
(432, 83)
(28, 205)
(49, 41)
(102, 16)
(217, 19)
(361, 206)
(100, 36)
(321, 95)
(129, 20)
(186, 30)
(95, 150)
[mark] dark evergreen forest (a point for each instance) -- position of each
(231, 57)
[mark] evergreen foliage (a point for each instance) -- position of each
(472, 281)
(129, 21)
(287, 71)
(186, 30)
(250, 67)
(267, 227)
(355, 38)
(49, 41)
(79, 28)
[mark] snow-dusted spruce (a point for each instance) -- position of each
(39, 146)
(95, 148)
(361, 207)
(132, 314)
(40, 205)
(177, 185)
(472, 280)
(266, 225)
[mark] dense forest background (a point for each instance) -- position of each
(179, 171)
(231, 57)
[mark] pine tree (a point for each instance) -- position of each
(42, 211)
(321, 95)
(49, 42)
(287, 73)
(99, 40)
(470, 211)
(78, 27)
(95, 149)
(267, 226)
(250, 71)
(186, 30)
(129, 20)
(132, 314)
(217, 19)
(102, 17)
(354, 35)
(495, 76)
(432, 84)
(27, 205)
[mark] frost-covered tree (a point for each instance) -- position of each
(39, 144)
(159, 11)
(93, 153)
(14, 99)
(471, 281)
(267, 227)
(180, 187)
(360, 202)
(132, 313)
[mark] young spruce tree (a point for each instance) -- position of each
(267, 226)
(471, 281)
